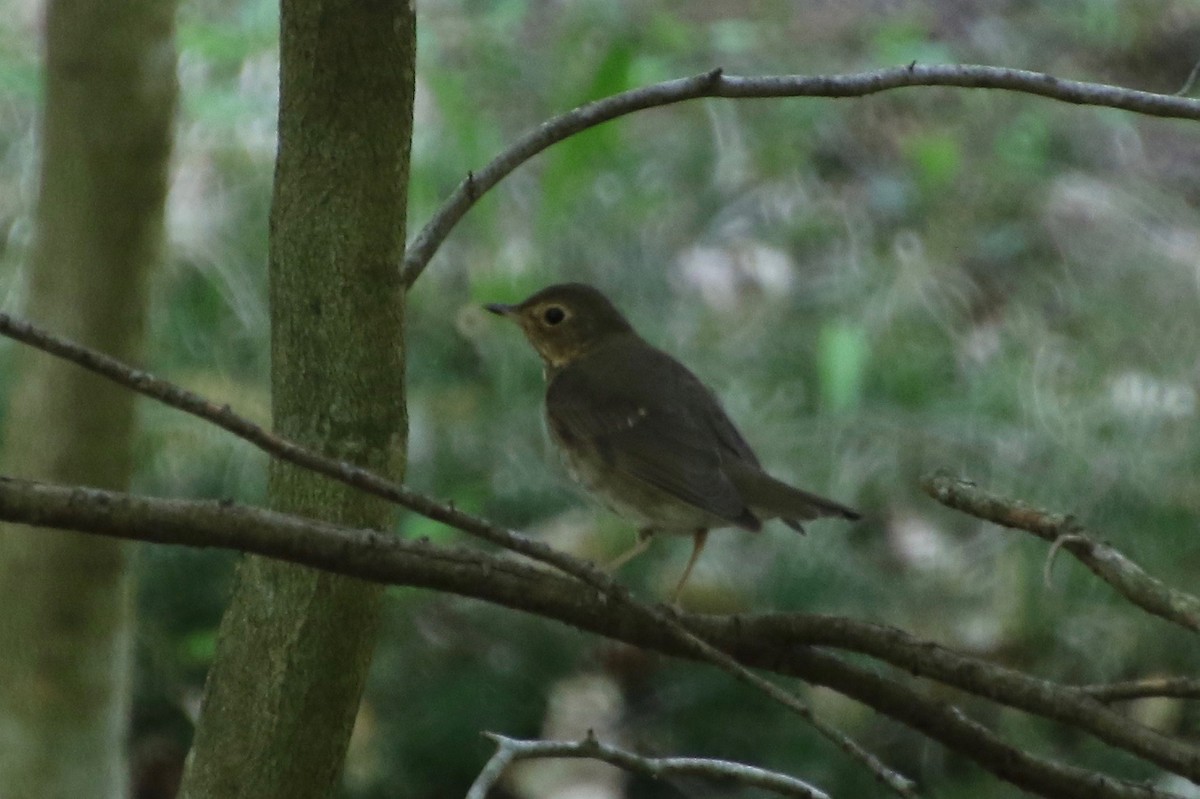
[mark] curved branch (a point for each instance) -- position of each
(1063, 531)
(510, 750)
(716, 84)
(522, 586)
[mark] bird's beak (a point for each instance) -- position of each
(500, 309)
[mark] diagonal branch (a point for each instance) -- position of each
(505, 581)
(1067, 705)
(1062, 530)
(717, 84)
(1150, 687)
(284, 449)
(525, 587)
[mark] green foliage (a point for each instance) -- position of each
(906, 39)
(1025, 143)
(936, 160)
(843, 352)
(441, 661)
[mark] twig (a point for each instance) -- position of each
(716, 84)
(992, 681)
(1174, 687)
(510, 750)
(946, 722)
(221, 415)
(1052, 553)
(530, 588)
(1186, 88)
(492, 770)
(1129, 579)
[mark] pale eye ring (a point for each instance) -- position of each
(553, 315)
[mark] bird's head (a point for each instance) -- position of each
(565, 321)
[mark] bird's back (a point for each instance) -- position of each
(642, 413)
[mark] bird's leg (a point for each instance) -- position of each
(643, 541)
(698, 539)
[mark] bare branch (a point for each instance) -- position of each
(684, 639)
(716, 84)
(1063, 531)
(1174, 687)
(283, 449)
(522, 586)
(491, 772)
(365, 480)
(1067, 705)
(1186, 88)
(509, 750)
(1020, 767)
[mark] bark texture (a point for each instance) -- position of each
(66, 629)
(295, 644)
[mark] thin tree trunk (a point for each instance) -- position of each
(295, 644)
(66, 627)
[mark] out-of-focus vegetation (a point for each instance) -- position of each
(990, 283)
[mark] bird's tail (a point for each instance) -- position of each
(771, 498)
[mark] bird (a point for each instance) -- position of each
(643, 434)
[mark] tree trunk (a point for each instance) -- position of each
(66, 628)
(295, 644)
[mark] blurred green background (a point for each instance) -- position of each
(989, 283)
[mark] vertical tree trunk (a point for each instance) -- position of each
(295, 644)
(66, 627)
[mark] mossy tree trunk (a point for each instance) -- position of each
(67, 620)
(295, 644)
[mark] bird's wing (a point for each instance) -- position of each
(733, 446)
(653, 421)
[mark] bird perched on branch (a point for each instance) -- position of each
(641, 432)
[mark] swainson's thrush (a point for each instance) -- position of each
(642, 432)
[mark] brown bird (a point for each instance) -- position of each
(641, 432)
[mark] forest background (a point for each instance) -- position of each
(988, 283)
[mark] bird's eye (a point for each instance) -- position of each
(553, 315)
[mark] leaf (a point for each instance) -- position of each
(842, 354)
